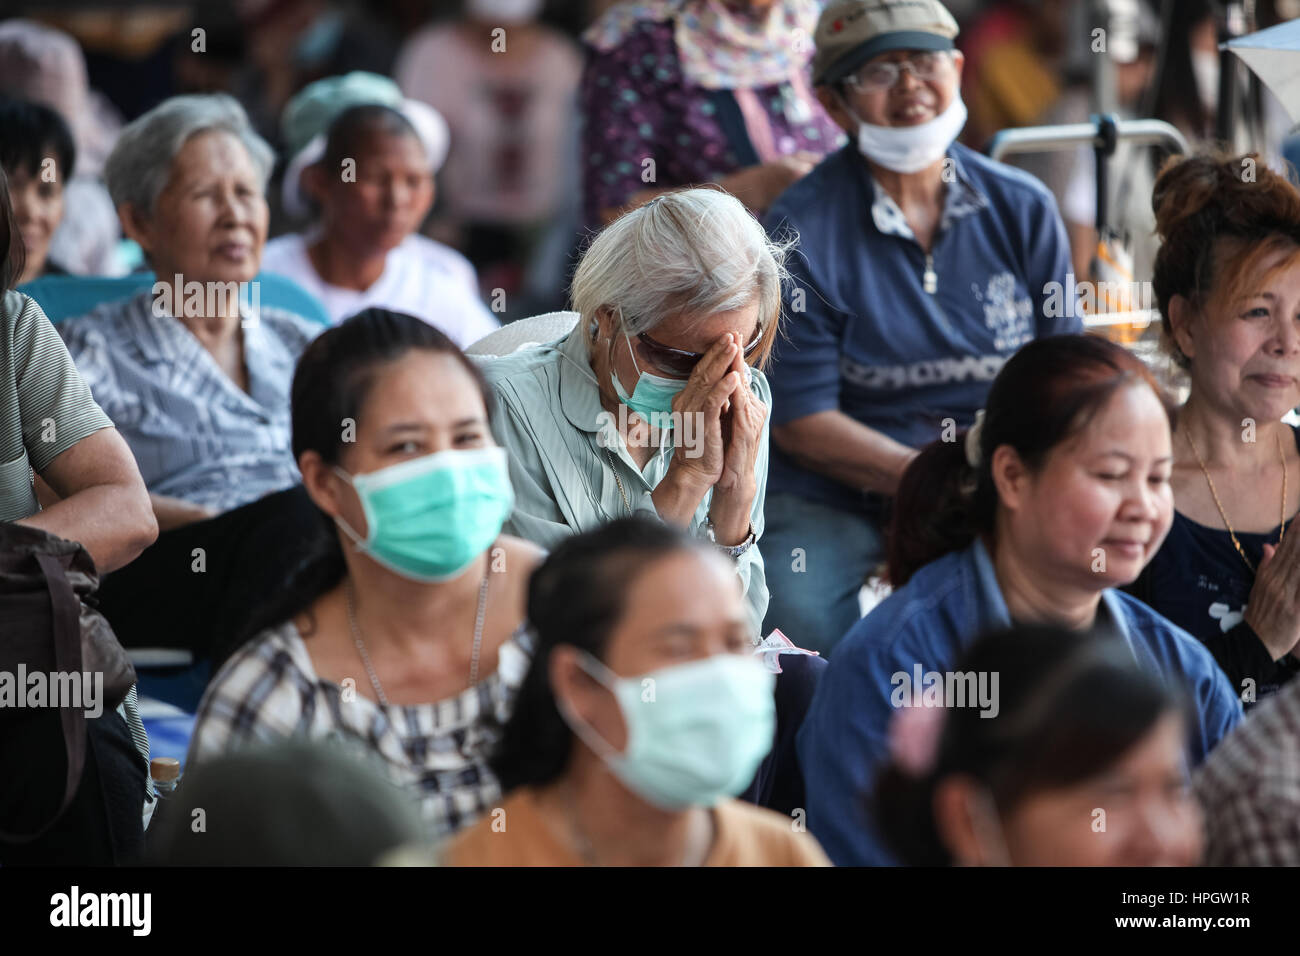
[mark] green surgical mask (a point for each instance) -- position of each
(696, 732)
(652, 397)
(429, 518)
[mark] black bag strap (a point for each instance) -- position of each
(65, 625)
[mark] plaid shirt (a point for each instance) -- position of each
(195, 434)
(437, 751)
(1250, 788)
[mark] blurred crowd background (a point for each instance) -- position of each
(510, 195)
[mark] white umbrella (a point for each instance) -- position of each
(1274, 56)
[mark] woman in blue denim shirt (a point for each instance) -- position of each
(1057, 497)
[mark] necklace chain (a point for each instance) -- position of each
(1224, 515)
(618, 481)
(365, 657)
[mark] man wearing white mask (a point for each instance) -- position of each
(924, 266)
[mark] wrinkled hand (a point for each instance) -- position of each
(1273, 608)
(701, 463)
(742, 427)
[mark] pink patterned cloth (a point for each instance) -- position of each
(640, 101)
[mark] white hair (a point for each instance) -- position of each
(140, 164)
(692, 252)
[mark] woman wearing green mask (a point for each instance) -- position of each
(647, 711)
(654, 403)
(402, 633)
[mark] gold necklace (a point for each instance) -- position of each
(1218, 504)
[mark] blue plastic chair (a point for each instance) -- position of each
(65, 297)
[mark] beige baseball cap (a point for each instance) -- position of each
(850, 32)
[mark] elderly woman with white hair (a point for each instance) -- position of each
(195, 373)
(655, 404)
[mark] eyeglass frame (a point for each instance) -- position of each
(694, 357)
(897, 68)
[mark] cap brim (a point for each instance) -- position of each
(885, 43)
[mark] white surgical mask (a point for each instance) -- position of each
(504, 11)
(909, 149)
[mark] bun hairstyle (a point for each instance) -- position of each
(1070, 705)
(1045, 394)
(1218, 216)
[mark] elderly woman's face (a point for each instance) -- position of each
(209, 222)
(1100, 506)
(1245, 358)
(683, 333)
(390, 197)
(916, 96)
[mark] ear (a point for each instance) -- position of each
(831, 102)
(569, 682)
(433, 195)
(322, 483)
(313, 181)
(1010, 477)
(137, 226)
(606, 324)
(1181, 316)
(954, 821)
(958, 64)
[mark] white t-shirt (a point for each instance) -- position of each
(421, 277)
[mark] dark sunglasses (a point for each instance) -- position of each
(678, 361)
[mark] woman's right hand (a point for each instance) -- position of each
(1273, 608)
(699, 451)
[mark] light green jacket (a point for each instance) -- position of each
(549, 418)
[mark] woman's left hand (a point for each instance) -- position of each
(733, 495)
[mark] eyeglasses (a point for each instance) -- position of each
(679, 362)
(874, 77)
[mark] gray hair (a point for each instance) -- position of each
(692, 252)
(141, 163)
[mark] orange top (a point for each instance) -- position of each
(515, 834)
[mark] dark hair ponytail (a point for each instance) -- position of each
(575, 597)
(1070, 705)
(330, 385)
(1046, 393)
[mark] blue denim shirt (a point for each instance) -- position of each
(865, 333)
(930, 621)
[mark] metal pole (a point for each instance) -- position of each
(1035, 139)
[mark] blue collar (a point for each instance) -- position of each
(990, 610)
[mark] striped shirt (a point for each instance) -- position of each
(437, 751)
(45, 409)
(1250, 788)
(45, 406)
(195, 434)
